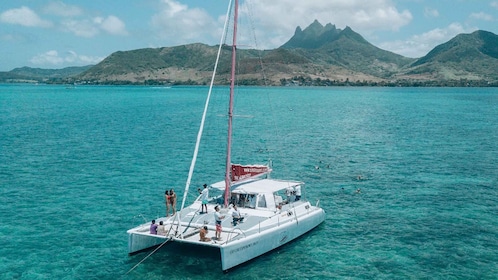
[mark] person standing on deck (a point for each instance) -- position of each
(172, 200)
(288, 194)
(218, 218)
(298, 192)
(168, 202)
(204, 198)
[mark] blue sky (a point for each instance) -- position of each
(57, 34)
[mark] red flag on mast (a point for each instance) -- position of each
(241, 172)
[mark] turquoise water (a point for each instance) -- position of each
(79, 166)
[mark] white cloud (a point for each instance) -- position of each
(61, 9)
(420, 45)
(494, 4)
(180, 24)
(92, 27)
(83, 28)
(24, 16)
(275, 21)
(52, 58)
(113, 25)
(431, 13)
(481, 16)
(279, 18)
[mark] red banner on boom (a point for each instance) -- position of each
(241, 172)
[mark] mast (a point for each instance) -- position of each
(230, 107)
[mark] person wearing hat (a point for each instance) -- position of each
(204, 198)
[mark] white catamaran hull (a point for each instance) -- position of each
(261, 233)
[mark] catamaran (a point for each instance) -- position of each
(271, 212)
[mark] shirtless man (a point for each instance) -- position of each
(203, 233)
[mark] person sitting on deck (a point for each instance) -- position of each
(236, 216)
(160, 229)
(202, 233)
(153, 227)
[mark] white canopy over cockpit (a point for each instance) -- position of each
(258, 186)
(263, 194)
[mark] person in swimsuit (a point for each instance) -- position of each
(168, 202)
(202, 233)
(172, 200)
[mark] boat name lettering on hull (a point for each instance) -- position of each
(254, 170)
(243, 247)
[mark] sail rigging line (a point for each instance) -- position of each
(260, 53)
(230, 107)
(206, 106)
(278, 153)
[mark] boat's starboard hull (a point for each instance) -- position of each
(241, 251)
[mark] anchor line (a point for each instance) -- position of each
(158, 247)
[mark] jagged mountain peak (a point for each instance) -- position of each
(317, 36)
(313, 36)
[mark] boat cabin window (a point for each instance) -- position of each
(251, 201)
(255, 200)
(261, 201)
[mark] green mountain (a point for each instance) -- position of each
(467, 56)
(35, 75)
(317, 55)
(50, 73)
(346, 49)
(317, 52)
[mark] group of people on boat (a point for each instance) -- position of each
(218, 217)
(293, 194)
(243, 200)
(157, 229)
